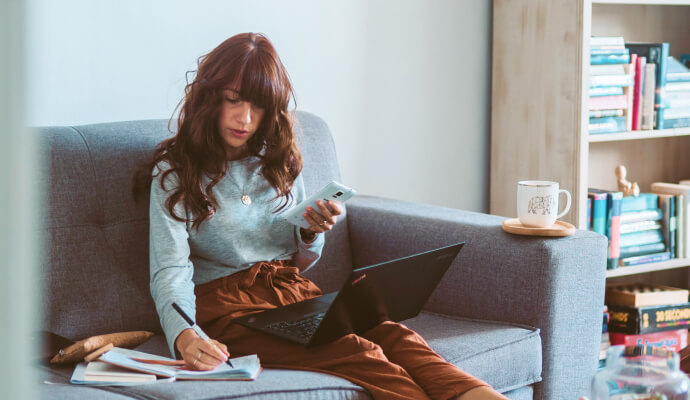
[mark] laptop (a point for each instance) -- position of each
(390, 291)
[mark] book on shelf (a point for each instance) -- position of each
(674, 340)
(598, 211)
(648, 319)
(677, 71)
(606, 91)
(640, 226)
(600, 81)
(677, 99)
(640, 238)
(676, 123)
(683, 223)
(607, 125)
(615, 102)
(640, 294)
(599, 59)
(606, 113)
(648, 95)
(646, 259)
(644, 201)
(244, 368)
(656, 53)
(633, 251)
(612, 224)
(629, 91)
(637, 93)
(667, 203)
(677, 112)
(644, 215)
(609, 51)
(677, 87)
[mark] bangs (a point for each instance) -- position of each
(262, 84)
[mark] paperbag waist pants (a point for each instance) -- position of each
(390, 361)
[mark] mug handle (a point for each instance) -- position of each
(567, 203)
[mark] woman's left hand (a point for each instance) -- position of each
(323, 219)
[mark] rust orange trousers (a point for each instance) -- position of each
(390, 361)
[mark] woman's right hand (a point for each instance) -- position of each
(199, 354)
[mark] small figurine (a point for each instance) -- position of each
(628, 188)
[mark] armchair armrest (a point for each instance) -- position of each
(554, 284)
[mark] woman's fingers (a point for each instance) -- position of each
(222, 347)
(325, 217)
(204, 356)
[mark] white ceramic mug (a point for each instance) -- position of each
(537, 203)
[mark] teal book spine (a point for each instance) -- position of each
(640, 238)
(637, 216)
(598, 212)
(633, 251)
(607, 125)
(602, 59)
(676, 123)
(645, 201)
(646, 259)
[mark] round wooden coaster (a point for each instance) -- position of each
(559, 228)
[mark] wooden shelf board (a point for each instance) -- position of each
(633, 135)
(644, 2)
(641, 269)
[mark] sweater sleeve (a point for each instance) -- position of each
(307, 253)
(171, 270)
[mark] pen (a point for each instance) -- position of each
(196, 328)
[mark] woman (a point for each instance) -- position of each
(219, 248)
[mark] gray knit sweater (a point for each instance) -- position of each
(233, 239)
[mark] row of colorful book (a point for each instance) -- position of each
(640, 314)
(651, 227)
(636, 86)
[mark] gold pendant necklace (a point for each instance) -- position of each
(246, 200)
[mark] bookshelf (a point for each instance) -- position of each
(540, 81)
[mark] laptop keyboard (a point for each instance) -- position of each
(302, 328)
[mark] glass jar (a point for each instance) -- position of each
(637, 372)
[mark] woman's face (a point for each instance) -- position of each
(238, 121)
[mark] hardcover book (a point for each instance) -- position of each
(632, 251)
(648, 95)
(647, 319)
(599, 59)
(675, 340)
(646, 259)
(618, 102)
(667, 202)
(598, 212)
(646, 215)
(677, 72)
(612, 225)
(637, 93)
(683, 226)
(645, 201)
(607, 125)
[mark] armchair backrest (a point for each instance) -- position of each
(95, 273)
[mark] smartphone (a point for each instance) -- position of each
(332, 191)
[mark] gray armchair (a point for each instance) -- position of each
(522, 313)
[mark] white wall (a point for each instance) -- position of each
(403, 85)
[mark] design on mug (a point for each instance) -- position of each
(540, 205)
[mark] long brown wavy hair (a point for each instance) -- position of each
(249, 61)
